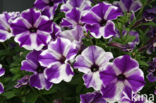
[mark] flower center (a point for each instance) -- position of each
(51, 3)
(121, 77)
(40, 69)
(33, 30)
(102, 22)
(94, 68)
(62, 59)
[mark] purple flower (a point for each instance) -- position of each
(23, 81)
(32, 30)
(37, 79)
(151, 44)
(74, 35)
(124, 71)
(57, 59)
(2, 72)
(48, 7)
(131, 45)
(98, 20)
(73, 18)
(152, 71)
(91, 62)
(82, 5)
(149, 14)
(129, 5)
(56, 30)
(94, 97)
(5, 29)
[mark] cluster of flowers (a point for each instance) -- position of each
(55, 51)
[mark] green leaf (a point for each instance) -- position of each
(143, 63)
(31, 98)
(9, 94)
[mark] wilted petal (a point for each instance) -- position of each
(1, 88)
(136, 5)
(2, 71)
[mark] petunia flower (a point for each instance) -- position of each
(129, 5)
(74, 35)
(32, 30)
(48, 7)
(124, 71)
(91, 61)
(152, 71)
(2, 72)
(82, 5)
(72, 19)
(94, 97)
(37, 79)
(149, 14)
(56, 30)
(57, 59)
(5, 19)
(130, 45)
(99, 20)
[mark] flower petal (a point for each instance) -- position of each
(1, 88)
(125, 63)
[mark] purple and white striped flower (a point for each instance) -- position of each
(124, 71)
(130, 45)
(94, 97)
(57, 59)
(48, 7)
(73, 18)
(83, 5)
(91, 62)
(99, 20)
(128, 5)
(75, 35)
(32, 30)
(152, 71)
(56, 30)
(2, 72)
(5, 30)
(37, 79)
